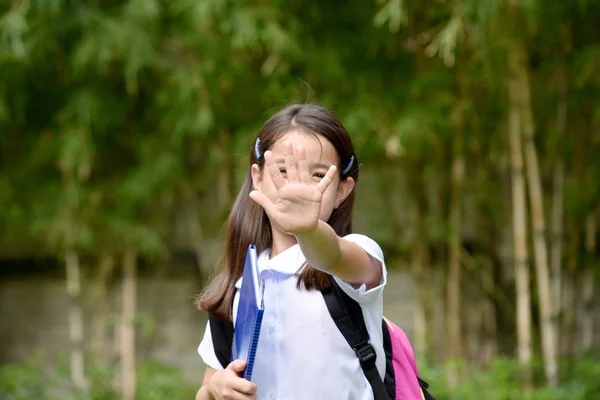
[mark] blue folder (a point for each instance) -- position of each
(249, 314)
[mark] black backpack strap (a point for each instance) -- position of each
(424, 386)
(222, 338)
(390, 379)
(348, 317)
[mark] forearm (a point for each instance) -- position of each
(326, 251)
(321, 247)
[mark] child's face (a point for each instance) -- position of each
(320, 155)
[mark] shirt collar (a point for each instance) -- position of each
(287, 262)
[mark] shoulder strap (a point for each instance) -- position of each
(424, 386)
(222, 338)
(348, 317)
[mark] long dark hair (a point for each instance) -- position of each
(249, 224)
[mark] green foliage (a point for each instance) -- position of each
(109, 110)
(504, 381)
(23, 381)
(158, 381)
(36, 379)
(392, 13)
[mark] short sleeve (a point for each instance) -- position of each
(206, 350)
(361, 295)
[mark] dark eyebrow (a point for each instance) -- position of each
(319, 165)
(311, 166)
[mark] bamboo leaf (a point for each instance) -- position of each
(51, 7)
(587, 66)
(142, 11)
(393, 13)
(13, 27)
(446, 41)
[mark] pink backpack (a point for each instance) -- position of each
(408, 384)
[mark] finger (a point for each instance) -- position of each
(244, 386)
(264, 202)
(302, 165)
(231, 394)
(273, 170)
(290, 162)
(327, 179)
(237, 365)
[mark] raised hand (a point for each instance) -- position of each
(298, 204)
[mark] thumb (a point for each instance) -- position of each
(237, 365)
(262, 200)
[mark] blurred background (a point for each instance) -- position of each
(126, 126)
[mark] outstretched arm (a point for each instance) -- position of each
(326, 251)
(296, 211)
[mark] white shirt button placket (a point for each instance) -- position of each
(272, 313)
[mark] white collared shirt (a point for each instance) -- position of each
(301, 353)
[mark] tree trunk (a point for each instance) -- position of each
(191, 211)
(423, 275)
(557, 234)
(589, 280)
(127, 335)
(558, 201)
(98, 341)
(422, 268)
(521, 262)
(424, 306)
(548, 326)
(472, 324)
(453, 288)
(490, 348)
(225, 169)
(569, 279)
(75, 319)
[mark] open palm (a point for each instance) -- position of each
(298, 203)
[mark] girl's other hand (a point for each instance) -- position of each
(228, 385)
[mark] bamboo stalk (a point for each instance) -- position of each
(225, 181)
(422, 272)
(568, 316)
(75, 319)
(489, 315)
(557, 220)
(589, 280)
(521, 262)
(548, 327)
(421, 345)
(453, 288)
(472, 323)
(191, 210)
(98, 338)
(127, 336)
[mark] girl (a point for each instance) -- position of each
(296, 206)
